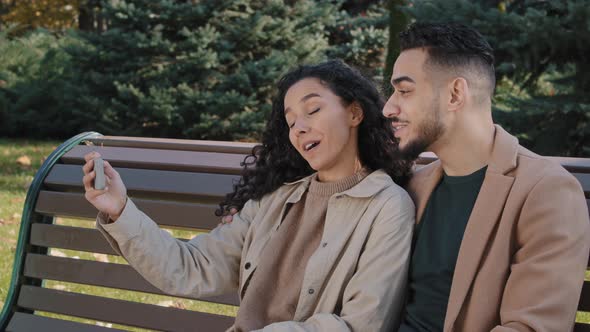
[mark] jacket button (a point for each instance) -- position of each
(247, 266)
(324, 244)
(311, 291)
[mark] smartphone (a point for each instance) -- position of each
(99, 180)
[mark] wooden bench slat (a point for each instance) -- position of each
(584, 304)
(157, 159)
(150, 183)
(70, 238)
(175, 144)
(165, 213)
(95, 273)
(121, 312)
(581, 327)
(22, 322)
(574, 165)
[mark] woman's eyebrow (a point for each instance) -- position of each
(308, 96)
(304, 99)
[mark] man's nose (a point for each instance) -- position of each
(391, 108)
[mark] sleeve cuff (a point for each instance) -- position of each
(127, 225)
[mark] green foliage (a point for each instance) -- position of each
(169, 68)
(31, 78)
(361, 40)
(541, 52)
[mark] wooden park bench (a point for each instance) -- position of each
(179, 184)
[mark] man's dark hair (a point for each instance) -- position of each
(451, 46)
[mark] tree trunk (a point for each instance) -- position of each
(89, 16)
(397, 23)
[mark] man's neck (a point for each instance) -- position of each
(466, 150)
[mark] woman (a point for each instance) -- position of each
(324, 243)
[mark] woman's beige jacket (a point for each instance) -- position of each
(354, 281)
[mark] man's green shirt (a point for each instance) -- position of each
(436, 246)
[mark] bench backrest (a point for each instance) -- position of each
(65, 267)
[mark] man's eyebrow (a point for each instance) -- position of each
(398, 80)
(305, 98)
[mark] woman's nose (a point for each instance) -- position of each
(300, 127)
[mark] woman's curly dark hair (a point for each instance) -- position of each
(276, 161)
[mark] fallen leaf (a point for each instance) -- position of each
(179, 305)
(24, 161)
(101, 257)
(165, 303)
(2, 222)
(57, 253)
(16, 216)
(172, 304)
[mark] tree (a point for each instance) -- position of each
(176, 68)
(398, 20)
(89, 16)
(202, 70)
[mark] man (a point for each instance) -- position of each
(502, 235)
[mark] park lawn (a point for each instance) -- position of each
(14, 180)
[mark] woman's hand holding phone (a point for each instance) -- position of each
(111, 199)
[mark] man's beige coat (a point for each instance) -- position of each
(524, 252)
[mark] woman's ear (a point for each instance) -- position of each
(357, 114)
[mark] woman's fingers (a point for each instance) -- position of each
(110, 171)
(87, 180)
(226, 219)
(88, 166)
(93, 193)
(91, 155)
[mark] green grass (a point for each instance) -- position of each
(14, 181)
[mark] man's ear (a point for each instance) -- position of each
(357, 114)
(458, 93)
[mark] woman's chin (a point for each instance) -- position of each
(315, 166)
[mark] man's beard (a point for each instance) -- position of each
(429, 131)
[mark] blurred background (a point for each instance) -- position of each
(206, 69)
